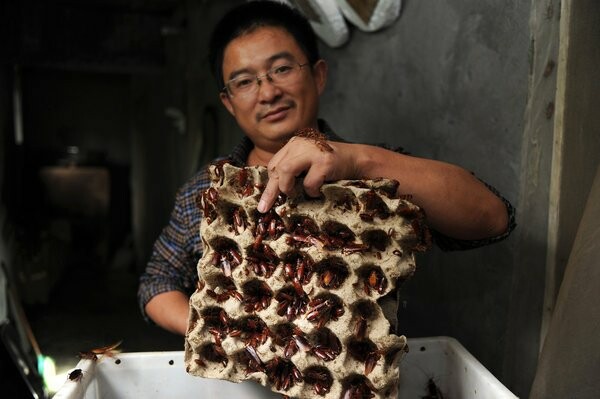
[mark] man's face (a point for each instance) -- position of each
(275, 111)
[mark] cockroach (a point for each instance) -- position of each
(212, 195)
(242, 177)
(239, 224)
(373, 206)
(319, 138)
(298, 267)
(254, 331)
(327, 345)
(366, 217)
(235, 255)
(360, 329)
(219, 170)
(216, 317)
(217, 297)
(257, 296)
(390, 188)
(292, 301)
(332, 272)
(282, 373)
(217, 334)
(226, 256)
(354, 248)
(356, 183)
(245, 186)
(364, 350)
(433, 391)
(320, 378)
(358, 387)
(262, 259)
(214, 353)
(371, 361)
(347, 202)
(255, 363)
(93, 354)
(323, 309)
(301, 342)
(75, 375)
(374, 279)
(226, 288)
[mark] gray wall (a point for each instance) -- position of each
(448, 81)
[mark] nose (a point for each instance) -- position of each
(267, 90)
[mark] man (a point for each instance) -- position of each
(266, 62)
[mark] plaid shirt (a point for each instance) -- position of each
(176, 252)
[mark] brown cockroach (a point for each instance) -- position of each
(257, 296)
(252, 330)
(214, 353)
(255, 363)
(347, 202)
(75, 375)
(219, 170)
(353, 248)
(227, 257)
(358, 387)
(216, 317)
(364, 350)
(374, 279)
(327, 345)
(262, 260)
(93, 354)
(323, 309)
(319, 138)
(371, 361)
(207, 206)
(239, 223)
(320, 378)
(366, 217)
(360, 329)
(292, 301)
(332, 272)
(356, 183)
(282, 373)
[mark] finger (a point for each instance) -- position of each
(313, 181)
(269, 195)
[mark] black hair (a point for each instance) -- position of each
(255, 14)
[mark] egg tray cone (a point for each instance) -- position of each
(296, 298)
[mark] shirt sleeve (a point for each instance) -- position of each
(454, 244)
(446, 243)
(172, 265)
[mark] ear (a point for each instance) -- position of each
(227, 102)
(320, 75)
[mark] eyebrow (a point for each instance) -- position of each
(286, 55)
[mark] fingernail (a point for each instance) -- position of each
(262, 206)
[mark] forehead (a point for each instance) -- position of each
(255, 49)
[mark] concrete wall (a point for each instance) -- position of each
(447, 81)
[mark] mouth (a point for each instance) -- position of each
(276, 114)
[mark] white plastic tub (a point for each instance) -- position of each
(432, 363)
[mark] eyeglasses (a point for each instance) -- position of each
(246, 85)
